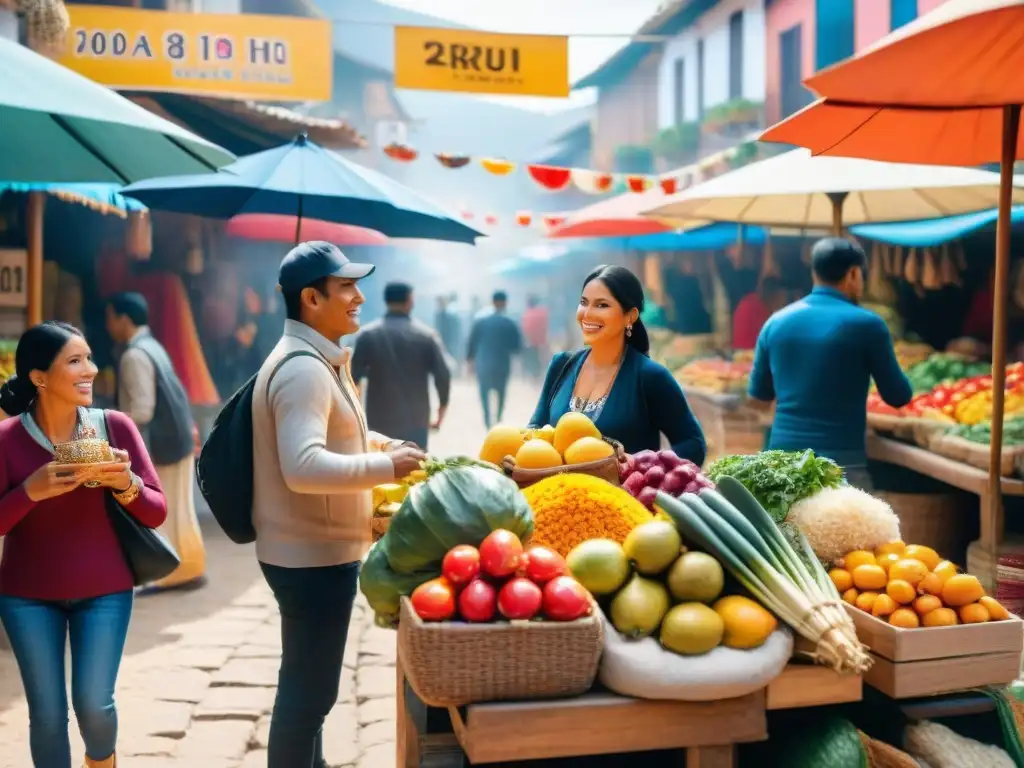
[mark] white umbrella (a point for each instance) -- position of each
(795, 189)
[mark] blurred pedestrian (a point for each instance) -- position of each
(314, 465)
(64, 572)
(535, 337)
(151, 394)
(753, 312)
(449, 327)
(398, 356)
(495, 338)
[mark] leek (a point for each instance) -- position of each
(747, 542)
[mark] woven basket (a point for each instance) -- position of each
(379, 526)
(937, 520)
(450, 664)
(606, 469)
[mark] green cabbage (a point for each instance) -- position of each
(384, 588)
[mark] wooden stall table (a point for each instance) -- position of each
(957, 475)
(731, 425)
(600, 722)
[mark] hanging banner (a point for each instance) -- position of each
(233, 56)
(439, 59)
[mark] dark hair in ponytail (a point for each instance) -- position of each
(626, 289)
(37, 348)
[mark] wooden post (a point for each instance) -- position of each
(837, 198)
(34, 249)
(992, 528)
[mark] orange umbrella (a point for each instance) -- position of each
(944, 89)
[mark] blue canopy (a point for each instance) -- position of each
(921, 234)
(708, 238)
(302, 179)
(99, 196)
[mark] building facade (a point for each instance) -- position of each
(717, 59)
(804, 36)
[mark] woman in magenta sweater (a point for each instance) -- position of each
(63, 572)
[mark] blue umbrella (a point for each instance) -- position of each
(303, 179)
(100, 196)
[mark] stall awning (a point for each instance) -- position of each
(712, 237)
(103, 198)
(931, 232)
(245, 127)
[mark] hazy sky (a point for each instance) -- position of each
(554, 17)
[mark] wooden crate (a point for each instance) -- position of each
(934, 660)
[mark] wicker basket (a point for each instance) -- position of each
(606, 469)
(379, 526)
(451, 664)
(937, 520)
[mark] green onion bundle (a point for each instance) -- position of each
(731, 525)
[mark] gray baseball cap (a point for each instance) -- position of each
(308, 262)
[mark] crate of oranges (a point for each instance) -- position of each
(923, 619)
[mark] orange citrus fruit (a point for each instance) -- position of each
(841, 578)
(869, 577)
(900, 591)
(944, 570)
(931, 584)
(904, 618)
(866, 601)
(885, 561)
(856, 559)
(850, 596)
(995, 609)
(940, 617)
(926, 555)
(890, 548)
(909, 570)
(961, 590)
(975, 613)
(926, 604)
(883, 606)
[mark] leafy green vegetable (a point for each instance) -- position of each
(384, 588)
(1013, 431)
(825, 742)
(779, 479)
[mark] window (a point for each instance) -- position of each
(835, 32)
(700, 80)
(736, 55)
(901, 12)
(792, 94)
(679, 92)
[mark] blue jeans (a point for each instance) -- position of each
(38, 631)
(488, 384)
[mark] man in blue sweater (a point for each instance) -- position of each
(816, 359)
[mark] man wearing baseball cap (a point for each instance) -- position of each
(315, 463)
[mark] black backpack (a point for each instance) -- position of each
(225, 465)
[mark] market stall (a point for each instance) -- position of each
(572, 600)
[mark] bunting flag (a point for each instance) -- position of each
(452, 161)
(497, 166)
(592, 182)
(401, 153)
(551, 178)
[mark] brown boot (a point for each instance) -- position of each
(110, 762)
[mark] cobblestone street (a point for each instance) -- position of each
(197, 682)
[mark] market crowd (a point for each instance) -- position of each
(80, 532)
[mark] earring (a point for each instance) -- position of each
(629, 331)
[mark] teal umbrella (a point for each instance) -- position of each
(57, 126)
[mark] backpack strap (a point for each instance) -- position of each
(299, 353)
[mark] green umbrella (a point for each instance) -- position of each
(57, 126)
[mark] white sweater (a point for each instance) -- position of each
(314, 461)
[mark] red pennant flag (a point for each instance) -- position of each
(636, 183)
(401, 153)
(524, 218)
(550, 177)
(669, 186)
(553, 222)
(491, 220)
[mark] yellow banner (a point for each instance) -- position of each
(434, 59)
(263, 58)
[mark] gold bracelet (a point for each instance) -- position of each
(126, 497)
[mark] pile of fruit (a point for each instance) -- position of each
(652, 584)
(911, 586)
(647, 472)
(712, 374)
(574, 440)
(965, 401)
(500, 579)
(943, 368)
(7, 349)
(388, 497)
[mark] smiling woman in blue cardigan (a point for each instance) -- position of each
(628, 396)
